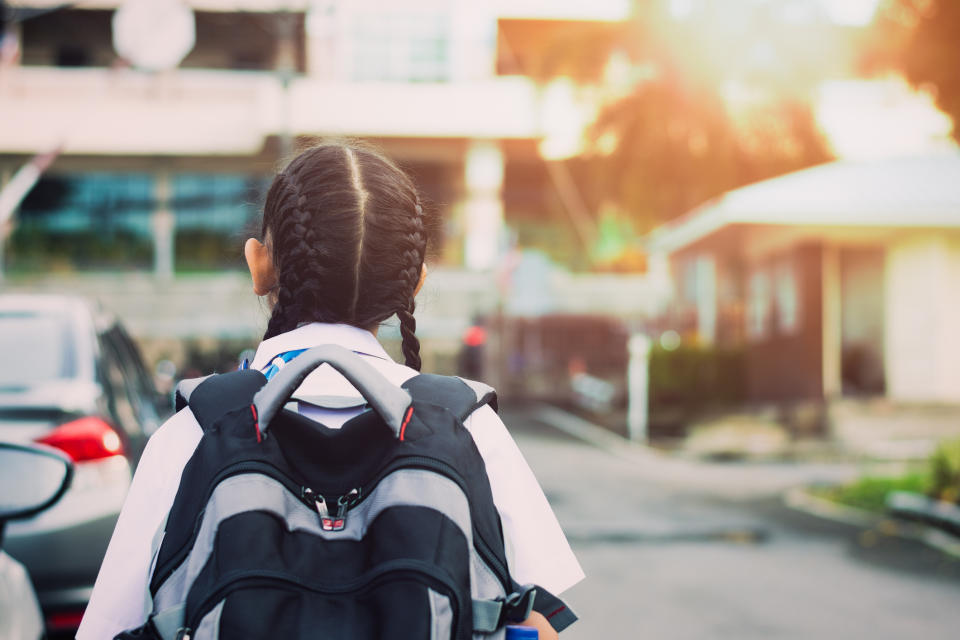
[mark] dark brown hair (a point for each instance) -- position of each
(346, 231)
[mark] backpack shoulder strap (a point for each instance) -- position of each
(461, 396)
(556, 611)
(211, 397)
(490, 615)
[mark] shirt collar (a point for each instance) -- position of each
(315, 334)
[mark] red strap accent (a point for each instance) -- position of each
(256, 422)
(406, 421)
(556, 612)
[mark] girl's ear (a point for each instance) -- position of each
(260, 263)
(423, 277)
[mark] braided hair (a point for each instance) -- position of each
(346, 231)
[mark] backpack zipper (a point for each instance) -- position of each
(345, 503)
(355, 496)
(257, 577)
(327, 522)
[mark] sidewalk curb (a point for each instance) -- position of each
(731, 481)
(593, 434)
(800, 499)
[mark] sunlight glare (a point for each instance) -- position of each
(881, 118)
(854, 13)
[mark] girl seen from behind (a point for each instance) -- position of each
(341, 250)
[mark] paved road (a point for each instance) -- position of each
(668, 556)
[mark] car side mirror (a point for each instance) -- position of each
(31, 479)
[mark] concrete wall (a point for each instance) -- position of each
(922, 337)
(222, 306)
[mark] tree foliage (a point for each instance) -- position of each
(668, 138)
(921, 39)
(678, 146)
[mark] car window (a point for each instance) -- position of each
(133, 363)
(122, 395)
(36, 347)
(140, 392)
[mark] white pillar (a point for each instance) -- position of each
(164, 224)
(830, 324)
(483, 204)
(638, 387)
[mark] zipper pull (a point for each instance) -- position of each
(309, 495)
(344, 502)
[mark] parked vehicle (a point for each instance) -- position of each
(72, 379)
(31, 480)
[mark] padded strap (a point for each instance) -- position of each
(217, 395)
(486, 615)
(462, 397)
(169, 622)
(484, 392)
(490, 615)
(184, 390)
(390, 402)
(555, 610)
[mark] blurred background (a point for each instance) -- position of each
(708, 252)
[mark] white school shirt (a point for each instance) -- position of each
(537, 550)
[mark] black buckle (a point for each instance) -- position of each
(518, 605)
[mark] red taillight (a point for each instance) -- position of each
(64, 620)
(88, 438)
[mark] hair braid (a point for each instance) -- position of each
(416, 241)
(302, 266)
(286, 311)
(408, 329)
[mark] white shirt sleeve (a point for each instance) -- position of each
(537, 549)
(120, 598)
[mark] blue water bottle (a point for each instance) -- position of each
(516, 632)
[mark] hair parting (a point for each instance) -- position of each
(347, 235)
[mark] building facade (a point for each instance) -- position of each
(836, 281)
(162, 172)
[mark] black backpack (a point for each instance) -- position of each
(385, 528)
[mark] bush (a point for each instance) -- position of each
(944, 475)
(939, 480)
(696, 378)
(870, 493)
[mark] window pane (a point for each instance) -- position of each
(788, 313)
(214, 213)
(84, 221)
(400, 46)
(759, 305)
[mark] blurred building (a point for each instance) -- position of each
(162, 172)
(840, 280)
